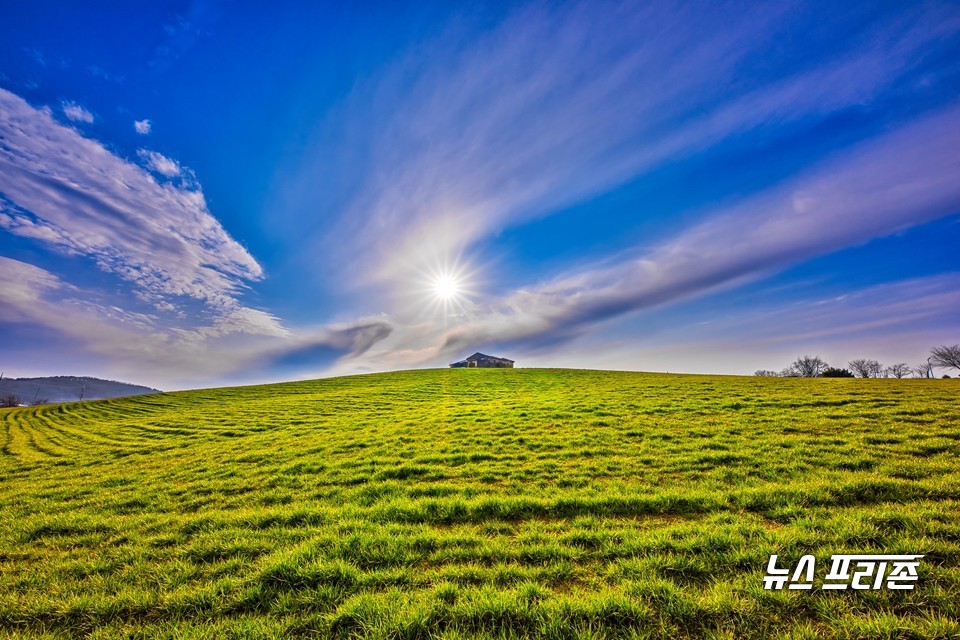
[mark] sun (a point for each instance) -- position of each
(446, 288)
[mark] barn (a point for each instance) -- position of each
(483, 361)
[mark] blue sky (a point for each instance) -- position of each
(204, 193)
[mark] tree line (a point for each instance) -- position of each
(942, 357)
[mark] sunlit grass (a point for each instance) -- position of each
(479, 503)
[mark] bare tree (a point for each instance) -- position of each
(10, 401)
(866, 368)
(860, 367)
(922, 370)
(765, 373)
(809, 366)
(899, 370)
(946, 357)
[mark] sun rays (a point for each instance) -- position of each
(446, 288)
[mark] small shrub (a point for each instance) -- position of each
(834, 372)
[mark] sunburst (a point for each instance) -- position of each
(446, 288)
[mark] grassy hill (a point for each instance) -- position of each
(480, 503)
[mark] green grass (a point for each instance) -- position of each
(483, 503)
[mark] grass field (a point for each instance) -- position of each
(480, 503)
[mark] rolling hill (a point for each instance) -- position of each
(67, 389)
(463, 503)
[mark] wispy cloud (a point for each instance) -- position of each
(558, 104)
(36, 55)
(901, 179)
(23, 286)
(467, 137)
(143, 127)
(182, 31)
(894, 322)
(144, 347)
(99, 72)
(160, 163)
(75, 112)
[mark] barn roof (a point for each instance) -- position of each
(478, 356)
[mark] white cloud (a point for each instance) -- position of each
(160, 163)
(21, 287)
(69, 191)
(75, 112)
(894, 322)
(143, 127)
(140, 347)
(901, 179)
(75, 196)
(904, 178)
(558, 104)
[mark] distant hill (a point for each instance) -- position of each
(67, 389)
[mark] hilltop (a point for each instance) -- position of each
(491, 503)
(67, 389)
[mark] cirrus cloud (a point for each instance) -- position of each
(75, 112)
(901, 179)
(558, 104)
